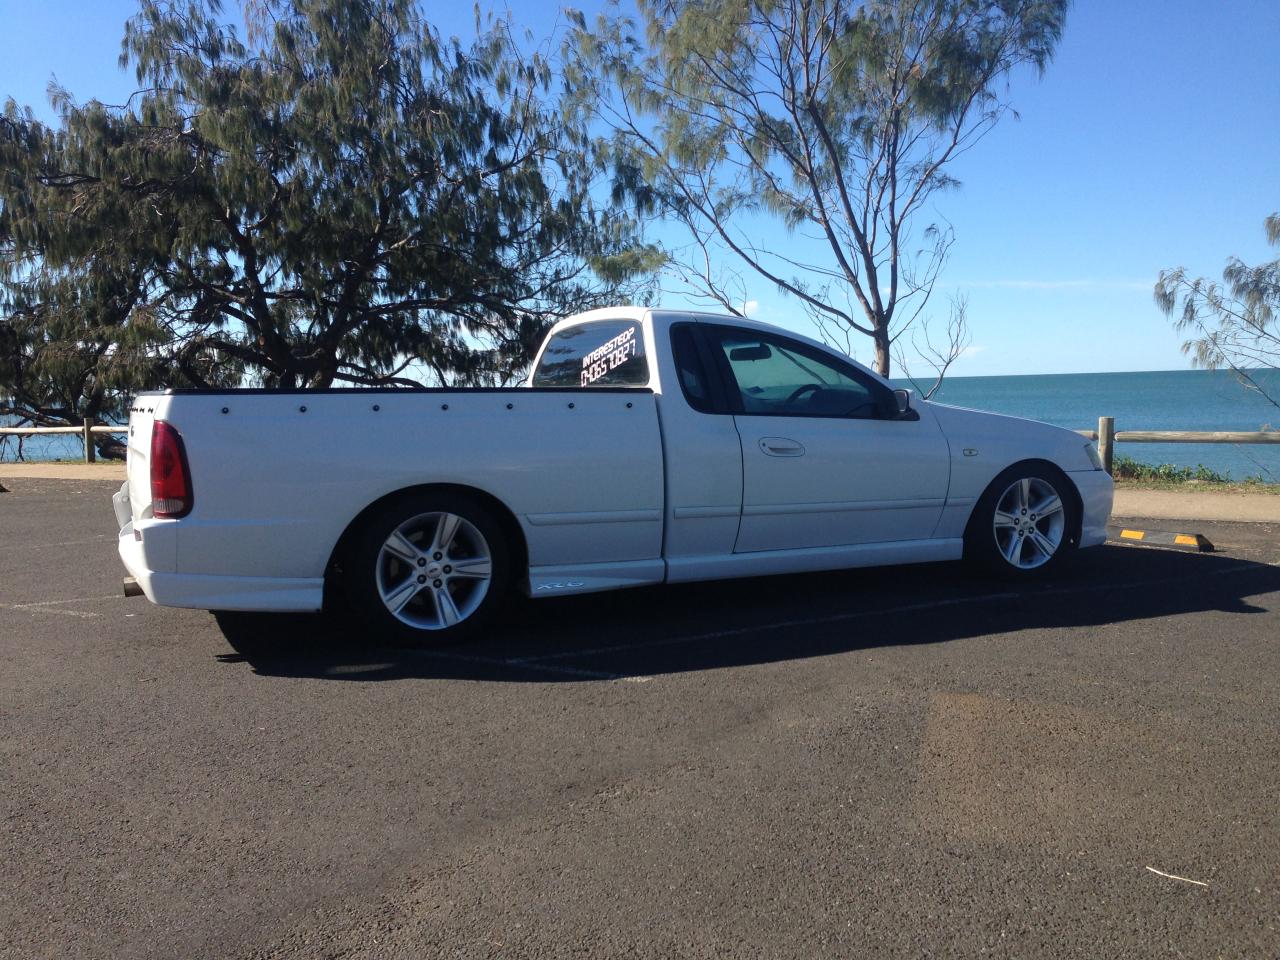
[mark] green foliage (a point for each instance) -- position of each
(349, 198)
(831, 119)
(1235, 324)
(1126, 468)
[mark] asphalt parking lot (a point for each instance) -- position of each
(903, 762)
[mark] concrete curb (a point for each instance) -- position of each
(1195, 542)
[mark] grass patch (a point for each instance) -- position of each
(1133, 473)
(1127, 468)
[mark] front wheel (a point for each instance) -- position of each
(1024, 524)
(428, 570)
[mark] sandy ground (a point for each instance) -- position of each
(62, 471)
(1207, 505)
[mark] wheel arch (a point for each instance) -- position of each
(333, 571)
(1069, 489)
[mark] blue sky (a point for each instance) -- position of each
(1150, 142)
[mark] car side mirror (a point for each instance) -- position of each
(904, 401)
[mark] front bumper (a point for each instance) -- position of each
(1097, 490)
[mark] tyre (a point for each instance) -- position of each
(428, 570)
(1025, 523)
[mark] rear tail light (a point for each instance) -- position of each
(171, 495)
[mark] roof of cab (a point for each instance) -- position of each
(638, 314)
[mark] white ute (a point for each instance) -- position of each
(648, 446)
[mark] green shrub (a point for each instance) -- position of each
(1126, 468)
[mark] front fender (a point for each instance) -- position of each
(985, 444)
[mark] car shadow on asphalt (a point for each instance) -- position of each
(726, 623)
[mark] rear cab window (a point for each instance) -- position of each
(603, 353)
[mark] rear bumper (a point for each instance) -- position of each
(1096, 493)
(149, 552)
(215, 593)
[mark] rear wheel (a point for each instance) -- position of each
(1025, 523)
(428, 570)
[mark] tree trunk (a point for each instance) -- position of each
(881, 338)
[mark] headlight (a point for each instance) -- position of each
(1095, 458)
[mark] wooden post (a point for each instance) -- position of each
(90, 454)
(1106, 441)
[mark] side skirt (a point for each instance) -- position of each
(563, 580)
(811, 560)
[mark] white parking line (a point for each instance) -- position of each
(51, 606)
(756, 628)
(71, 543)
(50, 603)
(82, 614)
(540, 659)
(538, 663)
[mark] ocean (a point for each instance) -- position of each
(1159, 400)
(1156, 400)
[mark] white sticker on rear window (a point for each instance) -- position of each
(606, 357)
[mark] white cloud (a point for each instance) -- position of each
(750, 307)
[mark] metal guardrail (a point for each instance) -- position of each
(1106, 436)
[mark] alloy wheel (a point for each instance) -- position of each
(434, 570)
(1029, 523)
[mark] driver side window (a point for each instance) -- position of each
(784, 378)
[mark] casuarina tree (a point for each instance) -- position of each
(836, 121)
(348, 199)
(1234, 324)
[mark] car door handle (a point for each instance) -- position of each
(781, 447)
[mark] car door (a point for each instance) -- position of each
(827, 460)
